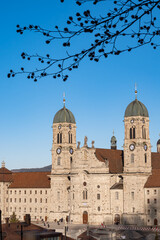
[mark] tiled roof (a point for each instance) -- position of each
(30, 180)
(155, 160)
(153, 181)
(115, 158)
(5, 175)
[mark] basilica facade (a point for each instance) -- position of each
(88, 184)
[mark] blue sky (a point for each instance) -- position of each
(96, 93)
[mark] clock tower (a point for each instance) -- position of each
(137, 147)
(64, 140)
(63, 151)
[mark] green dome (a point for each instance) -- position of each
(136, 108)
(64, 115)
(113, 140)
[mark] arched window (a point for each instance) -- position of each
(143, 132)
(59, 138)
(132, 158)
(145, 157)
(59, 161)
(132, 133)
(70, 137)
(85, 194)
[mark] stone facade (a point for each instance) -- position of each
(90, 185)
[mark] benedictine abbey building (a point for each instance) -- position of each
(88, 184)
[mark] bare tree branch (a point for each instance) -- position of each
(136, 21)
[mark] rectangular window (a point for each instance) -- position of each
(24, 209)
(155, 200)
(15, 200)
(15, 191)
(10, 191)
(149, 211)
(35, 210)
(59, 161)
(35, 200)
(35, 191)
(30, 191)
(98, 209)
(10, 209)
(10, 199)
(132, 158)
(24, 191)
(155, 211)
(7, 192)
(46, 200)
(132, 195)
(73, 195)
(19, 199)
(133, 209)
(30, 200)
(24, 200)
(19, 209)
(147, 192)
(30, 210)
(155, 191)
(6, 199)
(148, 201)
(116, 195)
(58, 195)
(41, 192)
(19, 191)
(40, 200)
(6, 209)
(40, 210)
(98, 196)
(46, 192)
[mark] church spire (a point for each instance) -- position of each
(64, 100)
(135, 91)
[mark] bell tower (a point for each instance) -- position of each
(137, 147)
(64, 140)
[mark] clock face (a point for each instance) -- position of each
(71, 150)
(59, 127)
(70, 126)
(58, 150)
(132, 147)
(145, 147)
(132, 121)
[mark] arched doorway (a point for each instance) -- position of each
(85, 217)
(155, 221)
(117, 219)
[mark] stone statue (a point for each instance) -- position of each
(85, 141)
(78, 146)
(93, 144)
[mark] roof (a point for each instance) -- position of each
(154, 179)
(155, 157)
(115, 158)
(118, 185)
(64, 115)
(5, 175)
(136, 108)
(30, 180)
(158, 142)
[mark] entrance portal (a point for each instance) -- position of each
(85, 217)
(117, 219)
(155, 222)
